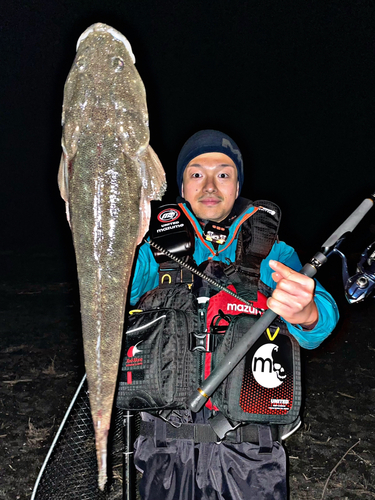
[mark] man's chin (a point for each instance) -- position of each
(213, 215)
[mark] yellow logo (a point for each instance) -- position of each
(270, 336)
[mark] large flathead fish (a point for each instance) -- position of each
(108, 175)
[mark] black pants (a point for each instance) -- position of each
(184, 470)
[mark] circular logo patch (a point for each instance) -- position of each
(169, 215)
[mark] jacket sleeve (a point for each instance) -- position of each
(145, 275)
(327, 308)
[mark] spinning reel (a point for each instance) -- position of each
(362, 284)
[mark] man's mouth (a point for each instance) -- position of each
(208, 202)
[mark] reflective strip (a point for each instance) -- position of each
(239, 224)
(285, 436)
(197, 232)
(148, 324)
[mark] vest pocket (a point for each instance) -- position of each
(265, 386)
(157, 366)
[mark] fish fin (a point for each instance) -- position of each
(159, 182)
(62, 180)
(153, 187)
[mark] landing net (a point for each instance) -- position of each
(69, 471)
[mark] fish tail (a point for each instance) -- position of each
(101, 453)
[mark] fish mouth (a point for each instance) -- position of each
(101, 27)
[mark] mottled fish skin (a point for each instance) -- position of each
(108, 175)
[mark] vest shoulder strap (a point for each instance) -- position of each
(255, 240)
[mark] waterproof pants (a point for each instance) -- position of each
(184, 470)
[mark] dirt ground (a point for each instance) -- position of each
(331, 456)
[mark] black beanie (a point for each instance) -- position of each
(209, 141)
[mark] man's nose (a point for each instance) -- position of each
(210, 185)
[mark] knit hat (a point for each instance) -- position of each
(209, 141)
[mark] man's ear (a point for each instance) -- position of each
(238, 189)
(182, 190)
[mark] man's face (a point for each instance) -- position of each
(210, 185)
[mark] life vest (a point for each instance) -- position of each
(183, 328)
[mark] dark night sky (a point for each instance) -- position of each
(292, 82)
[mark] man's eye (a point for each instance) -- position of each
(196, 174)
(222, 175)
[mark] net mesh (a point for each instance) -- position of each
(71, 471)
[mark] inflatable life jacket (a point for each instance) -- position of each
(182, 329)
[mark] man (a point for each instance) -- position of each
(210, 176)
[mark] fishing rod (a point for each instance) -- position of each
(239, 351)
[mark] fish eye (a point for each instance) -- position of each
(118, 63)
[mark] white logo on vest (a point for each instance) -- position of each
(266, 371)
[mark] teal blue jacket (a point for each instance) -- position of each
(146, 277)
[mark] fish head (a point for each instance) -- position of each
(103, 91)
(101, 28)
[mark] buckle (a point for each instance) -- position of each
(234, 435)
(228, 271)
(197, 342)
(204, 342)
(165, 414)
(224, 429)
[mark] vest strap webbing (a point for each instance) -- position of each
(203, 433)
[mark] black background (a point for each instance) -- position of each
(291, 82)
